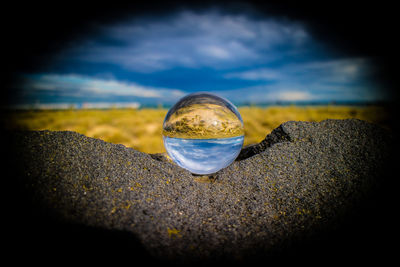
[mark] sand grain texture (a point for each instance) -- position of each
(295, 193)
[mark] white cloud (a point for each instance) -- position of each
(263, 74)
(270, 94)
(276, 93)
(118, 88)
(331, 71)
(78, 85)
(215, 51)
(345, 70)
(293, 96)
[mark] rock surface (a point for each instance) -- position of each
(300, 191)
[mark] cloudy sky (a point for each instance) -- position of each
(241, 56)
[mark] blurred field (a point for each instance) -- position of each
(141, 129)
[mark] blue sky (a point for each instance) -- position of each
(158, 59)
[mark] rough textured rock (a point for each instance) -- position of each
(303, 190)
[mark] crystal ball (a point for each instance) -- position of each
(203, 133)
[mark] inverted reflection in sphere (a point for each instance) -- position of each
(203, 133)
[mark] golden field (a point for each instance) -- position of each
(142, 129)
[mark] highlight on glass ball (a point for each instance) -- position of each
(203, 133)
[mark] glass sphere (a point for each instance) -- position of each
(203, 133)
